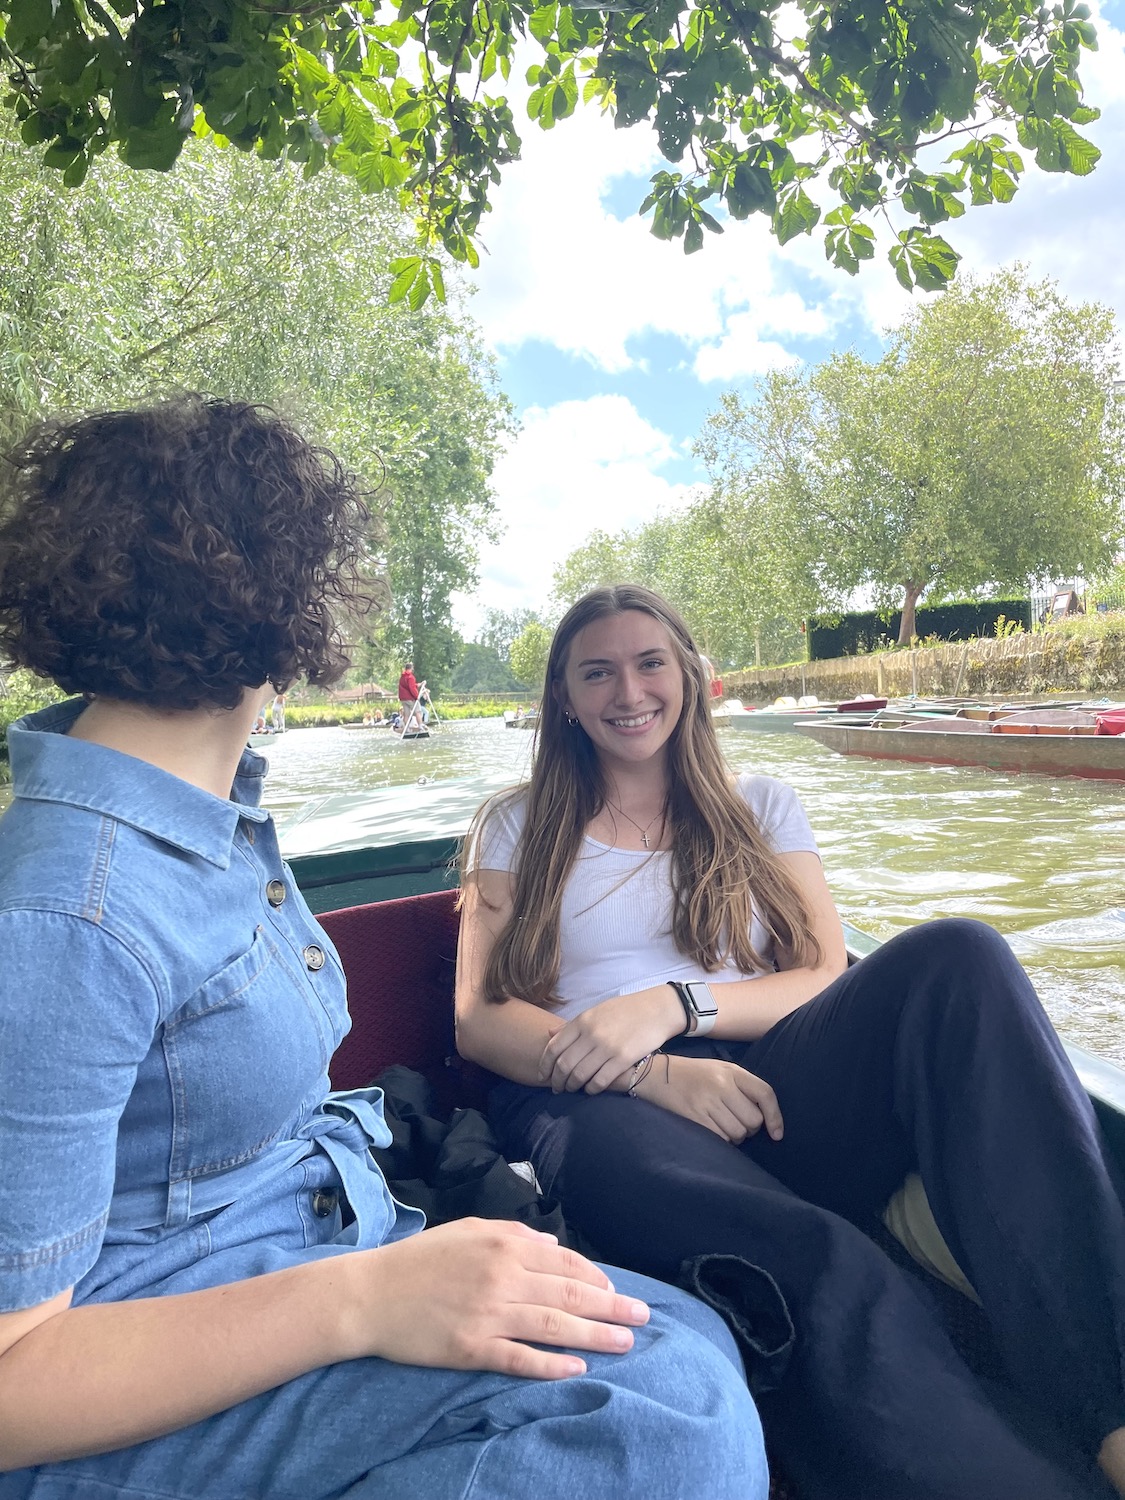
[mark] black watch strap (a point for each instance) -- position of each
(689, 1008)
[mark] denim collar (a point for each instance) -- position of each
(49, 766)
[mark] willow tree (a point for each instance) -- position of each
(985, 448)
(817, 113)
(238, 276)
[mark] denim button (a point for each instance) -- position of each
(275, 892)
(314, 957)
(324, 1203)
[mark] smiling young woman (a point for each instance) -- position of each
(651, 958)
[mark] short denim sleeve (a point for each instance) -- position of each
(78, 1013)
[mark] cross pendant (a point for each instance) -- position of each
(644, 839)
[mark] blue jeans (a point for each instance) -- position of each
(671, 1420)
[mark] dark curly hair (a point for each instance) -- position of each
(177, 553)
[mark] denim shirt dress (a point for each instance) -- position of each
(168, 1012)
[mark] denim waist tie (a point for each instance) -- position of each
(344, 1128)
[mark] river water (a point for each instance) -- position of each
(1043, 860)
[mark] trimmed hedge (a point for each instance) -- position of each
(860, 632)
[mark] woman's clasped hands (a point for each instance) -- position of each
(601, 1045)
(598, 1049)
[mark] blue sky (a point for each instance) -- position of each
(614, 346)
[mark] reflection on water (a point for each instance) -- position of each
(1043, 860)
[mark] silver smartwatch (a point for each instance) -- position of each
(701, 1009)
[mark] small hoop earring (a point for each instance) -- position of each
(570, 719)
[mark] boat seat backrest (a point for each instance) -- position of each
(399, 958)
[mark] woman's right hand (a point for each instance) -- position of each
(721, 1095)
(476, 1294)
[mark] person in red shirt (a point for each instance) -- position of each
(410, 693)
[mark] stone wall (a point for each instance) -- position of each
(1086, 657)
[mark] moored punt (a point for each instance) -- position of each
(1027, 741)
(777, 720)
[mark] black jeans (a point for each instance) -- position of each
(933, 1054)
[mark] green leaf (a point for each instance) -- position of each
(543, 22)
(899, 260)
(29, 21)
(749, 190)
(405, 272)
(1079, 155)
(75, 175)
(796, 214)
(936, 265)
(419, 292)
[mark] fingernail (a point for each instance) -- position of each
(576, 1367)
(621, 1338)
(639, 1312)
(552, 1237)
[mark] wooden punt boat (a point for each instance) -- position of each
(1036, 741)
(786, 720)
(378, 869)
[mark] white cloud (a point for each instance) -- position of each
(574, 467)
(563, 269)
(740, 352)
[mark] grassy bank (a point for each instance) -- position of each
(1085, 654)
(325, 715)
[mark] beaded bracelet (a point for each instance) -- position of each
(641, 1070)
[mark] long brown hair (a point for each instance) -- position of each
(723, 868)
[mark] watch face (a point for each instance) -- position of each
(702, 999)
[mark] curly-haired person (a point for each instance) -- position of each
(206, 1289)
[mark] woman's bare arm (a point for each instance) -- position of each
(469, 1295)
(510, 1037)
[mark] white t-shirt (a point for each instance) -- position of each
(616, 919)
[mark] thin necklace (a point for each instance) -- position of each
(642, 831)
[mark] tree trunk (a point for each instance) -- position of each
(906, 631)
(418, 633)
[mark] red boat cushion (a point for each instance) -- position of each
(1111, 722)
(399, 958)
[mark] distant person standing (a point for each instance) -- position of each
(714, 682)
(279, 714)
(410, 693)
